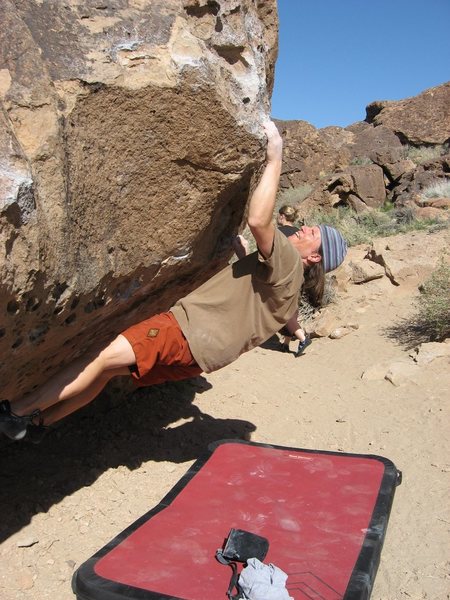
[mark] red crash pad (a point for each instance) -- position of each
(325, 515)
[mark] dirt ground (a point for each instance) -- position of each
(107, 465)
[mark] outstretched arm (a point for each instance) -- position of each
(262, 202)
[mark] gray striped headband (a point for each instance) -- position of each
(333, 248)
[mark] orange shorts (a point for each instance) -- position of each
(161, 350)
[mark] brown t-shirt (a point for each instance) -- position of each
(242, 306)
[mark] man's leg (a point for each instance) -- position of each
(66, 407)
(84, 379)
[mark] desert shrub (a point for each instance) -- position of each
(387, 206)
(361, 161)
(404, 216)
(305, 311)
(356, 228)
(362, 228)
(439, 189)
(330, 293)
(422, 154)
(434, 303)
(377, 223)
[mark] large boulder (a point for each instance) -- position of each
(361, 187)
(423, 119)
(368, 184)
(377, 144)
(129, 141)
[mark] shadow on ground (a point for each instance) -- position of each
(117, 429)
(273, 343)
(410, 333)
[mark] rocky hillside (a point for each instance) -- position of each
(399, 150)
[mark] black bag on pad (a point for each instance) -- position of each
(239, 546)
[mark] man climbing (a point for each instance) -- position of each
(236, 310)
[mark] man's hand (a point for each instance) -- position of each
(274, 142)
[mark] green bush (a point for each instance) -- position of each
(434, 303)
(356, 228)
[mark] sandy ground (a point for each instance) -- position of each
(106, 466)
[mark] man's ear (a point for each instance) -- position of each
(315, 257)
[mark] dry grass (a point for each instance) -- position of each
(423, 154)
(439, 189)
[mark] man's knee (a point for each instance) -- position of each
(118, 354)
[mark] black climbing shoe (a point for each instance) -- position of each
(302, 346)
(12, 425)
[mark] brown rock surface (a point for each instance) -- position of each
(365, 270)
(311, 154)
(130, 135)
(368, 184)
(423, 119)
(413, 181)
(380, 144)
(439, 203)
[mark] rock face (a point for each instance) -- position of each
(129, 139)
(368, 162)
(311, 153)
(424, 119)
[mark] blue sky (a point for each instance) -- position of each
(337, 56)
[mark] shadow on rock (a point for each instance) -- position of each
(117, 429)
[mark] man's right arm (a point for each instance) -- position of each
(262, 202)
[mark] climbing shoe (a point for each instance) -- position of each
(302, 346)
(12, 425)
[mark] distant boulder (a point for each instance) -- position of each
(423, 119)
(379, 144)
(414, 181)
(311, 154)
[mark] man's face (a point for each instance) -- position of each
(307, 241)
